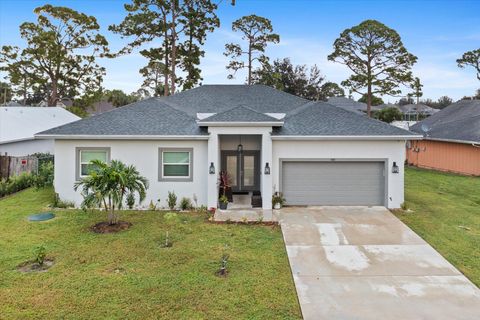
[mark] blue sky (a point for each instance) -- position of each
(438, 32)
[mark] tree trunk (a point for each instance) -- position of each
(174, 48)
(369, 100)
(249, 62)
(52, 102)
(165, 41)
(24, 91)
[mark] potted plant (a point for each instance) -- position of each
(223, 201)
(277, 200)
(225, 188)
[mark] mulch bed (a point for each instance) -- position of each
(105, 227)
(31, 266)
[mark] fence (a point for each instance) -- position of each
(14, 166)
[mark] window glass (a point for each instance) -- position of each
(86, 156)
(176, 163)
(176, 157)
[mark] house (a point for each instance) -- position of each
(267, 140)
(351, 105)
(452, 140)
(100, 107)
(18, 124)
(412, 112)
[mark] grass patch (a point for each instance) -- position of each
(446, 213)
(129, 275)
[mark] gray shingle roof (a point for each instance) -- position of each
(459, 121)
(146, 117)
(240, 114)
(177, 115)
(219, 98)
(324, 119)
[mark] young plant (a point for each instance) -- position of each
(185, 204)
(277, 198)
(244, 219)
(40, 254)
(152, 206)
(172, 200)
(130, 200)
(223, 199)
(168, 243)
(260, 218)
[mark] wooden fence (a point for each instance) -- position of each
(14, 166)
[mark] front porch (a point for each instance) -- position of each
(245, 154)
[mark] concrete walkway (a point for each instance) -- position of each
(364, 263)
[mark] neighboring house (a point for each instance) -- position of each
(412, 112)
(267, 140)
(452, 139)
(19, 124)
(351, 105)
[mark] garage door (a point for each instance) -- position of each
(333, 183)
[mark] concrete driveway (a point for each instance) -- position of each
(364, 263)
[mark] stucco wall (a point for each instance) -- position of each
(24, 148)
(390, 150)
(445, 156)
(145, 156)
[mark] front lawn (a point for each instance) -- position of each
(446, 213)
(129, 275)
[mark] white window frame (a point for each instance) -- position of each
(162, 177)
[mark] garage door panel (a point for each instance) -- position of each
(333, 183)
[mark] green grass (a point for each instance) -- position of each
(129, 276)
(446, 213)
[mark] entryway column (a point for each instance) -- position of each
(213, 157)
(266, 178)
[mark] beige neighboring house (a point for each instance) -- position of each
(19, 124)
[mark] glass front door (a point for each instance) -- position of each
(243, 169)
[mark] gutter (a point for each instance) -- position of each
(119, 137)
(406, 137)
(474, 143)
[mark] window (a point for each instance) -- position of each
(86, 155)
(175, 164)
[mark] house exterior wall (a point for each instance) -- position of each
(27, 147)
(144, 155)
(390, 151)
(445, 156)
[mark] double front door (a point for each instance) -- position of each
(243, 168)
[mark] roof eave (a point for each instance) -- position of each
(119, 137)
(241, 123)
(453, 140)
(325, 137)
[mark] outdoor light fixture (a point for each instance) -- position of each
(240, 146)
(395, 168)
(211, 170)
(267, 169)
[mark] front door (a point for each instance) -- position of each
(243, 169)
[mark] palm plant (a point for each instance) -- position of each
(109, 184)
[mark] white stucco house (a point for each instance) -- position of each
(267, 141)
(18, 125)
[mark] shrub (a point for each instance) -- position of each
(185, 204)
(63, 204)
(44, 177)
(388, 114)
(39, 254)
(172, 200)
(130, 200)
(15, 184)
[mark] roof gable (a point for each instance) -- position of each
(240, 114)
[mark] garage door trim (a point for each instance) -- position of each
(332, 160)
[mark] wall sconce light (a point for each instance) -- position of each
(395, 168)
(211, 170)
(267, 169)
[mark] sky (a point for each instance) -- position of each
(437, 32)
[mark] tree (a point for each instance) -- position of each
(441, 103)
(405, 100)
(388, 115)
(471, 58)
(182, 26)
(108, 184)
(5, 92)
(60, 53)
(377, 58)
(258, 32)
(152, 74)
(119, 98)
(297, 80)
(417, 89)
(375, 101)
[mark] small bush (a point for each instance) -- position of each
(223, 265)
(62, 204)
(404, 206)
(130, 200)
(172, 200)
(185, 204)
(39, 254)
(45, 175)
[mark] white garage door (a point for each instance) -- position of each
(333, 183)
